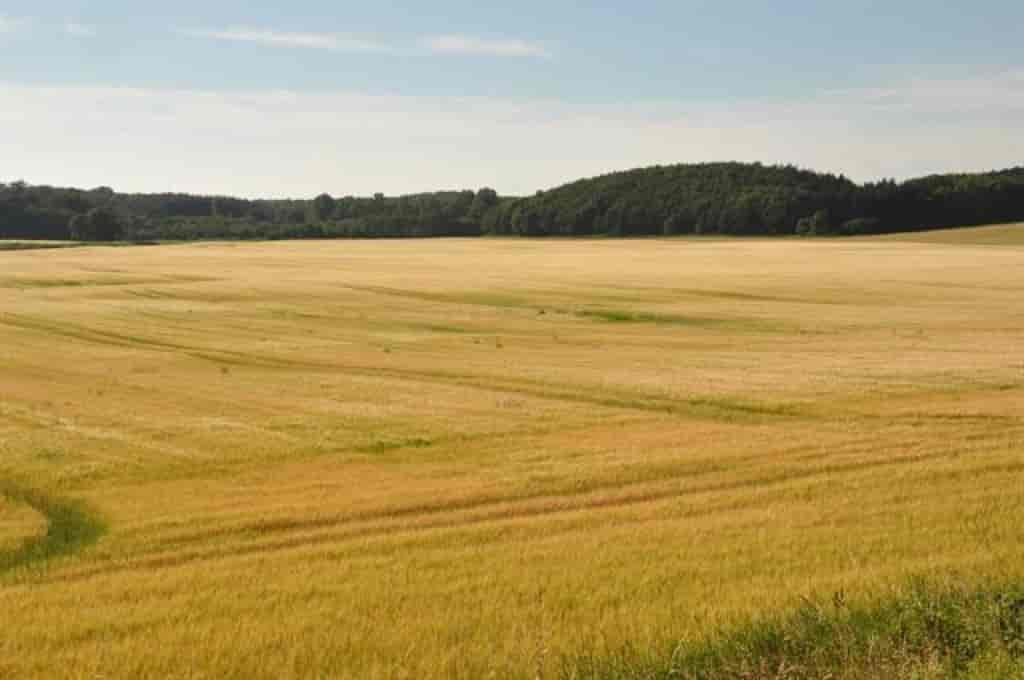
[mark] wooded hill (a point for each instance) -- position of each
(753, 199)
(711, 198)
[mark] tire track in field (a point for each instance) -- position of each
(484, 513)
(710, 407)
(70, 527)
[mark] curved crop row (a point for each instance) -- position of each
(71, 526)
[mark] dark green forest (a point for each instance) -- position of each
(714, 198)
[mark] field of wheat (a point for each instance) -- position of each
(482, 458)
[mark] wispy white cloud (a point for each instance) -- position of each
(79, 30)
(332, 42)
(9, 24)
(951, 95)
(236, 143)
(468, 45)
(13, 25)
(311, 41)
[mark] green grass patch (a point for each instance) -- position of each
(593, 313)
(929, 633)
(626, 316)
(440, 328)
(71, 527)
(623, 316)
(397, 444)
(482, 299)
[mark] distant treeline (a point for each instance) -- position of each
(41, 212)
(714, 198)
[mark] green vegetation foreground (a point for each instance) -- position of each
(513, 458)
(928, 632)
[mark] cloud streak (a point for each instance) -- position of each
(79, 30)
(15, 25)
(10, 25)
(237, 143)
(309, 41)
(468, 45)
(332, 42)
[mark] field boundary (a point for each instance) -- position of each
(928, 629)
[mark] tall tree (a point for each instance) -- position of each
(323, 208)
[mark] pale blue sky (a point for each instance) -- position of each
(295, 98)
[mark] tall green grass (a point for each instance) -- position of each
(929, 633)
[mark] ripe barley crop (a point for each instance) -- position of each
(465, 459)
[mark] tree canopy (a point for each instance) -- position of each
(711, 198)
(753, 199)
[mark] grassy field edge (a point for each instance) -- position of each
(931, 631)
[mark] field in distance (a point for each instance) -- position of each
(8, 245)
(483, 458)
(1000, 235)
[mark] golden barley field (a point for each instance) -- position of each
(478, 458)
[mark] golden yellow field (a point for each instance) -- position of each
(999, 235)
(474, 458)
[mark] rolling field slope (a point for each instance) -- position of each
(999, 235)
(481, 458)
